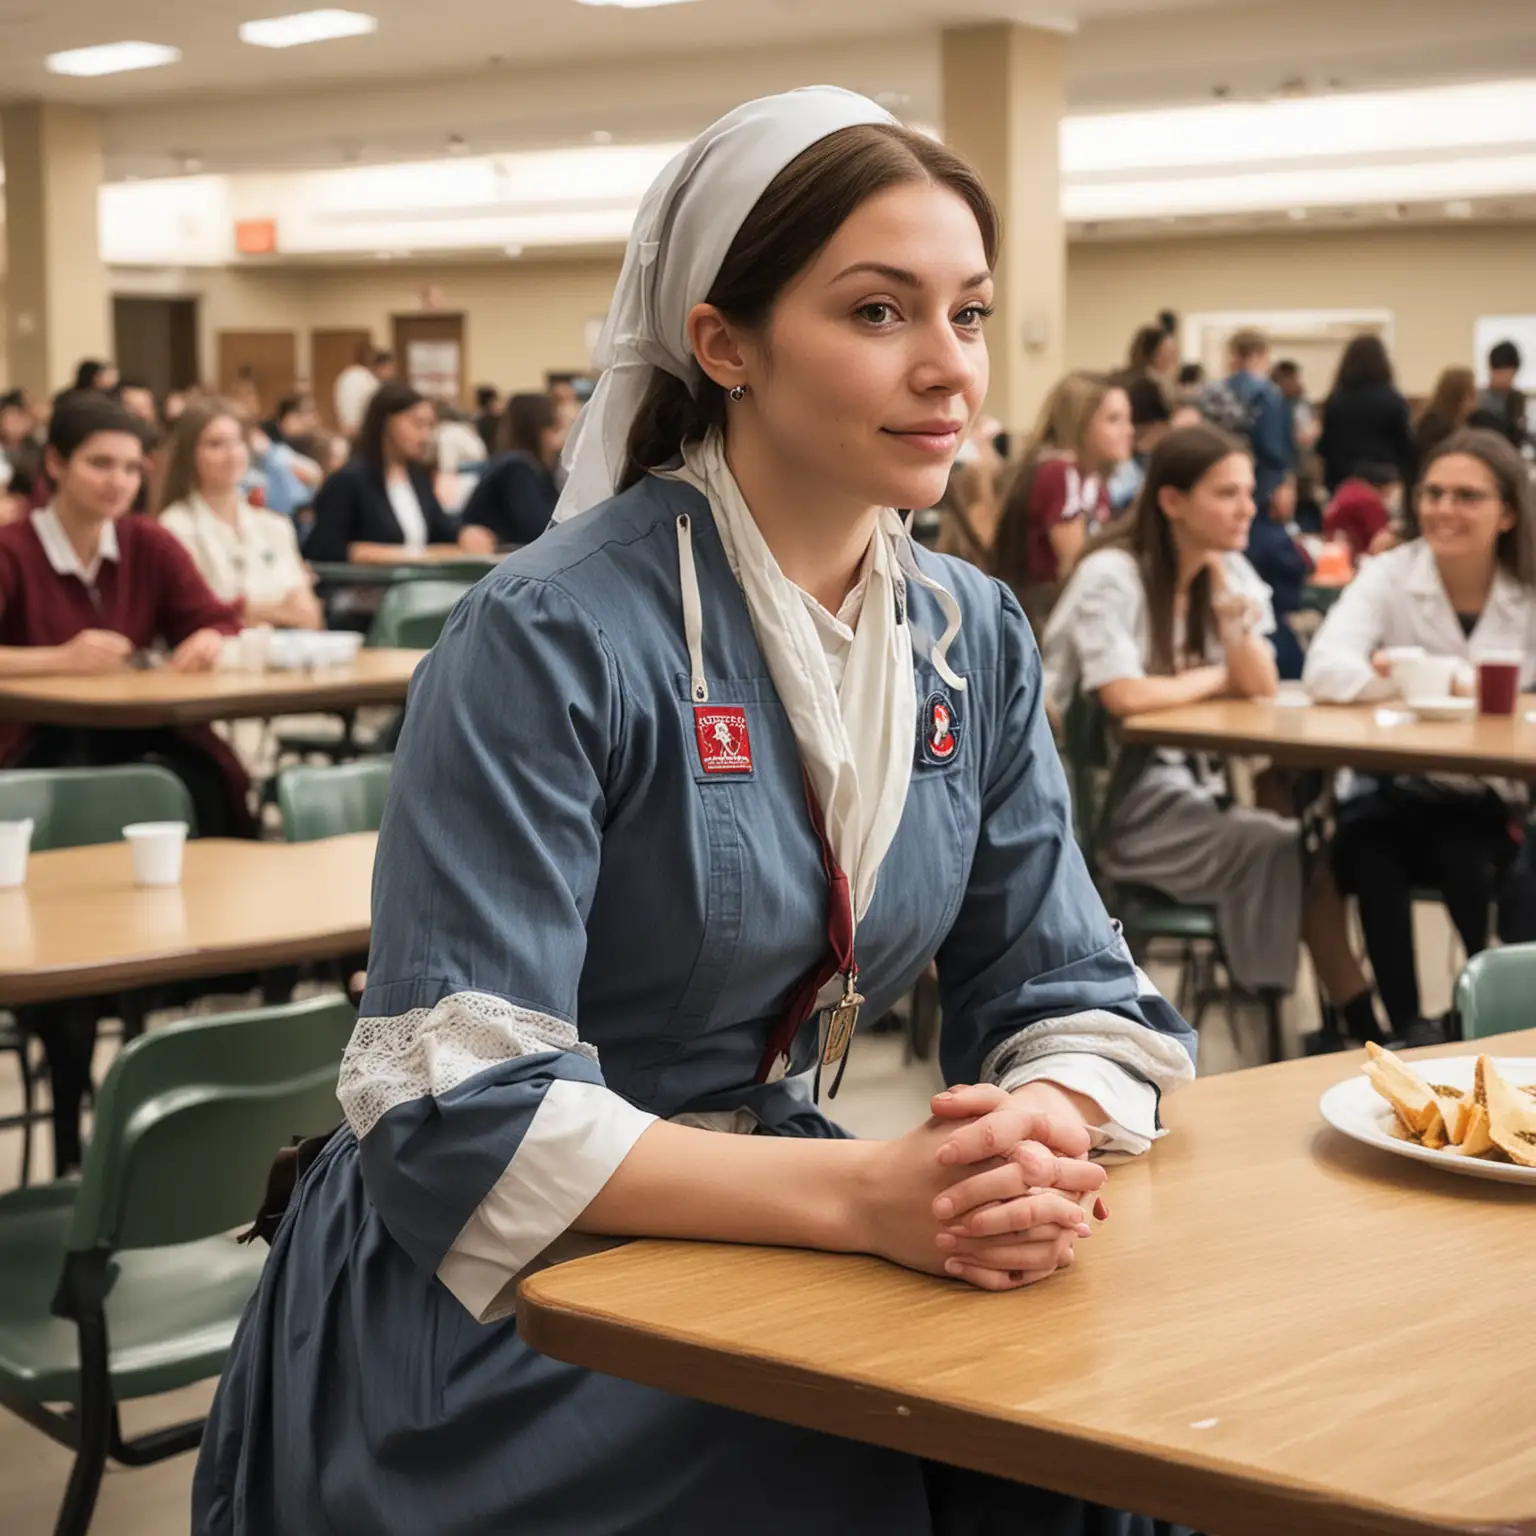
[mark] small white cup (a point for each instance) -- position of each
(255, 645)
(156, 847)
(1424, 677)
(15, 844)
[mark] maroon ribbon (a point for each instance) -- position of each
(838, 960)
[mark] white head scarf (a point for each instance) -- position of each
(685, 226)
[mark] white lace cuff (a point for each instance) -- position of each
(579, 1135)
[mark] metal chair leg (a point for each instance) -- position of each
(28, 1109)
(95, 1432)
(1272, 1000)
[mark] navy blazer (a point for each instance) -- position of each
(352, 507)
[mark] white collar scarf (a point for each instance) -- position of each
(856, 741)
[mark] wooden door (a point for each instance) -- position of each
(430, 354)
(257, 368)
(330, 353)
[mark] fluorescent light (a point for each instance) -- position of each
(306, 27)
(632, 5)
(111, 58)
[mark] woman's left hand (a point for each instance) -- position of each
(199, 652)
(1003, 1225)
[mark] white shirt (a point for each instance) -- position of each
(61, 553)
(256, 558)
(1399, 599)
(354, 389)
(408, 513)
(458, 444)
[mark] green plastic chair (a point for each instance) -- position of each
(1496, 992)
(75, 806)
(412, 613)
(71, 807)
(124, 1285)
(321, 802)
(1147, 915)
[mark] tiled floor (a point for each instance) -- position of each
(881, 1096)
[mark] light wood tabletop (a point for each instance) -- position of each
(1278, 1331)
(80, 926)
(1345, 736)
(162, 697)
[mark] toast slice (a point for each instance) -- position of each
(1511, 1115)
(1455, 1110)
(1407, 1093)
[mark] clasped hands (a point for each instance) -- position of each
(991, 1190)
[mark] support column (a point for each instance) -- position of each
(57, 309)
(1004, 94)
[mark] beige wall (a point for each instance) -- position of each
(526, 317)
(1435, 281)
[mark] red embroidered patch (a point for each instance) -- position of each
(724, 745)
(940, 736)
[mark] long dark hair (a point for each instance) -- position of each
(389, 399)
(1144, 345)
(1516, 547)
(803, 207)
(1364, 363)
(524, 423)
(1180, 462)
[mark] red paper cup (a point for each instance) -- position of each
(1498, 682)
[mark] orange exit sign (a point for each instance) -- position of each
(256, 237)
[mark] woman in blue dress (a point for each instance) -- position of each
(626, 904)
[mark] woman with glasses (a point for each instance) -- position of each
(1466, 585)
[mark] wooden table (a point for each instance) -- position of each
(438, 563)
(1345, 736)
(1279, 1332)
(162, 697)
(80, 926)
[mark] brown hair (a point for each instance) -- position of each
(802, 209)
(1516, 547)
(524, 423)
(1180, 462)
(1364, 363)
(1061, 428)
(180, 478)
(1144, 345)
(1454, 398)
(1247, 342)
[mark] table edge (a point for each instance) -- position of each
(1203, 1493)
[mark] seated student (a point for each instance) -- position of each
(1468, 583)
(382, 498)
(1364, 508)
(1163, 610)
(1061, 496)
(1285, 568)
(516, 496)
(1151, 421)
(84, 588)
(1502, 402)
(248, 555)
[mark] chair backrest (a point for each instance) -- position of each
(75, 806)
(1496, 993)
(329, 801)
(412, 613)
(191, 1116)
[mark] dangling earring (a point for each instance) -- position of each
(739, 393)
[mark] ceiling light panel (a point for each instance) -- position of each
(302, 27)
(111, 58)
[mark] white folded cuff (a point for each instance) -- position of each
(577, 1138)
(1129, 1104)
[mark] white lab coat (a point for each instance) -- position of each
(1399, 599)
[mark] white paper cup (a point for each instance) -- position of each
(15, 844)
(255, 643)
(156, 848)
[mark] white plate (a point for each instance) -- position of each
(1356, 1109)
(1442, 709)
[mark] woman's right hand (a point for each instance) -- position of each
(93, 651)
(895, 1212)
(1381, 664)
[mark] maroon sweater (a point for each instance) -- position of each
(152, 591)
